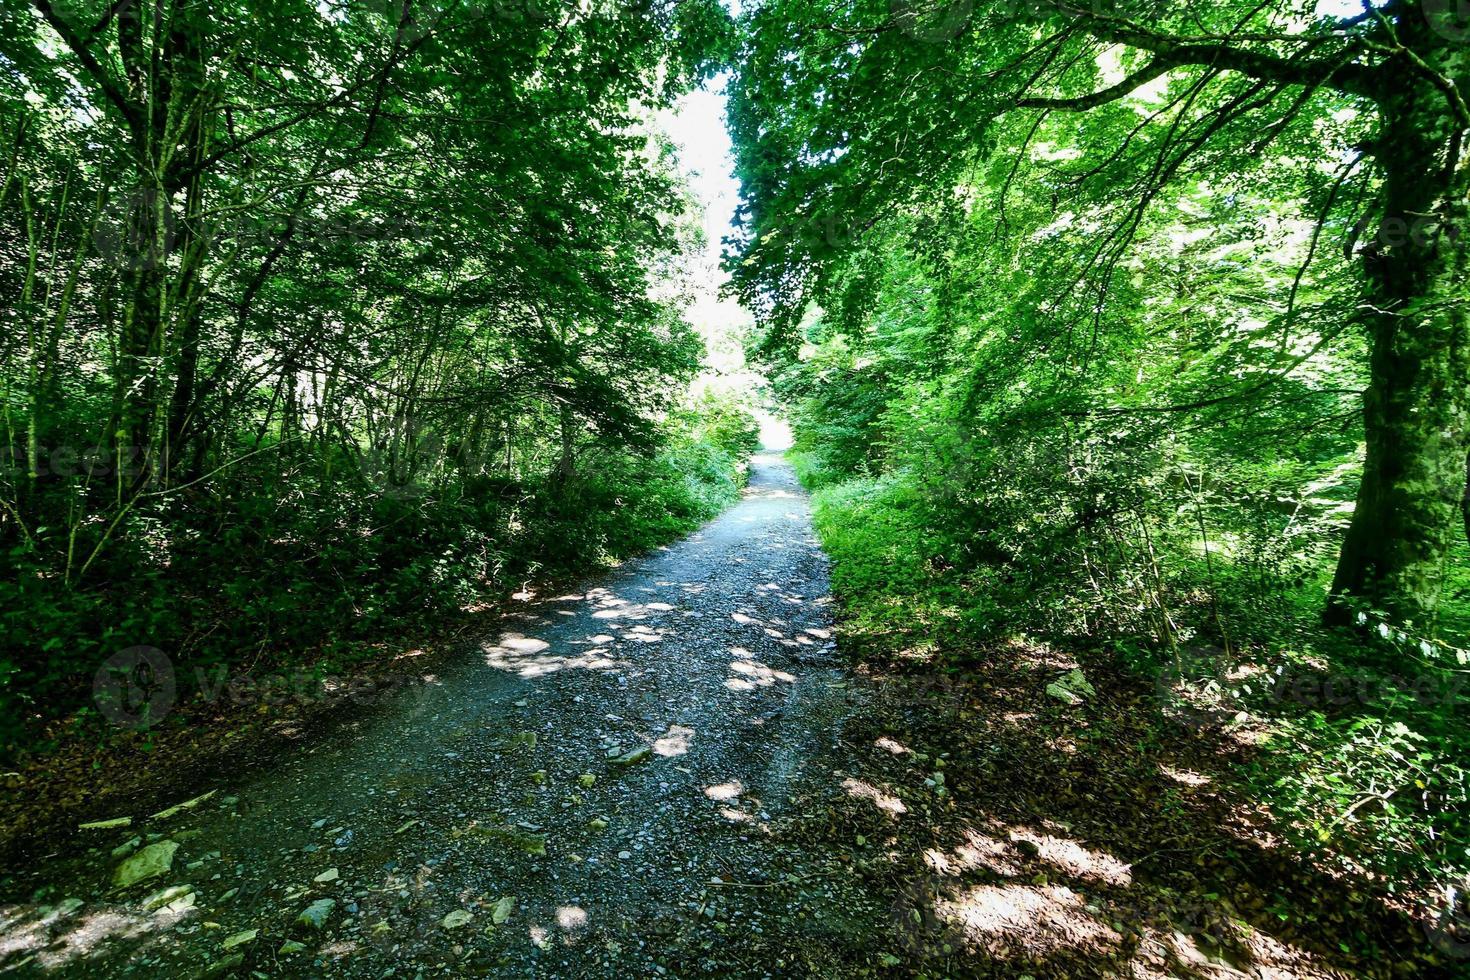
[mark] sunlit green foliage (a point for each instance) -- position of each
(328, 317)
(1084, 318)
(723, 421)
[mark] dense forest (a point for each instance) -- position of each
(326, 318)
(1143, 326)
(1125, 348)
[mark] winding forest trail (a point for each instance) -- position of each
(706, 667)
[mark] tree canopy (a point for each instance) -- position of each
(282, 275)
(1108, 133)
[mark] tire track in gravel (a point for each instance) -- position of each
(709, 663)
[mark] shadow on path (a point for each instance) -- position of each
(569, 800)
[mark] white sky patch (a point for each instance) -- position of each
(1340, 8)
(697, 128)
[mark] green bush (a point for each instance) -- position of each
(283, 571)
(723, 421)
(813, 469)
(899, 593)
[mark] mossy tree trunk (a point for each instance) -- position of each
(1418, 396)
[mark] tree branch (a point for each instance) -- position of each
(1154, 69)
(106, 19)
(109, 85)
(1335, 73)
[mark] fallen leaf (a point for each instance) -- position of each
(239, 939)
(457, 919)
(106, 824)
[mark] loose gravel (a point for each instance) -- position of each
(591, 792)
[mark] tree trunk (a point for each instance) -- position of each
(144, 247)
(1418, 395)
(193, 243)
(165, 82)
(1465, 499)
(566, 466)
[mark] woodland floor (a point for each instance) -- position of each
(672, 771)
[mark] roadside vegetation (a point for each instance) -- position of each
(1101, 330)
(328, 322)
(1126, 349)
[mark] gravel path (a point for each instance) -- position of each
(590, 794)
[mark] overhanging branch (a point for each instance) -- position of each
(1339, 73)
(1154, 69)
(79, 47)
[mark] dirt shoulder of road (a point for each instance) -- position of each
(252, 719)
(1012, 834)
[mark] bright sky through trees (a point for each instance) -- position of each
(697, 125)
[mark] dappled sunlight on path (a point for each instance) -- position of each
(628, 777)
(556, 803)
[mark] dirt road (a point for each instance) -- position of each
(589, 793)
